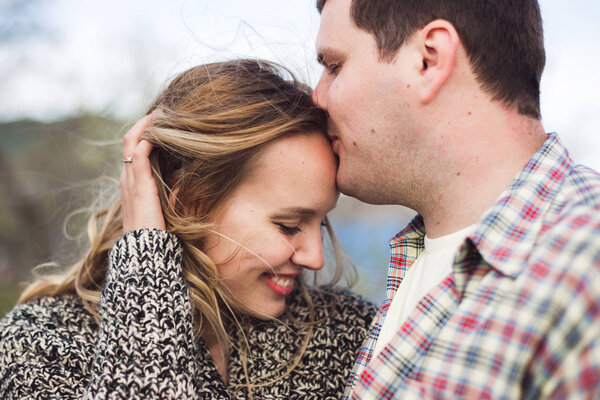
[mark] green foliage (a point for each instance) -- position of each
(8, 298)
(48, 170)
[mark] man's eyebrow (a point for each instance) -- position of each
(327, 53)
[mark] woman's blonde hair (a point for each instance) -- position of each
(214, 120)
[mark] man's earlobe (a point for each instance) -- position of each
(439, 44)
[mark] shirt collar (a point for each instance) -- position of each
(405, 247)
(507, 232)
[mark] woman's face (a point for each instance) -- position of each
(269, 230)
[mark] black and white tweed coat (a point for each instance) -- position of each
(144, 347)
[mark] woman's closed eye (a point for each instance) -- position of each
(288, 229)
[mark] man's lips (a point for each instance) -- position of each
(334, 140)
(332, 131)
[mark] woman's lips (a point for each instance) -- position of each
(282, 285)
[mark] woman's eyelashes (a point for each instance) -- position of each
(292, 229)
(288, 229)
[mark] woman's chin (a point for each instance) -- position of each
(266, 313)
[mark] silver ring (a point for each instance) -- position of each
(128, 160)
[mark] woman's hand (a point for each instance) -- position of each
(140, 203)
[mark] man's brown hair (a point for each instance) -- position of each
(503, 39)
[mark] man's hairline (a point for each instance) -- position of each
(381, 57)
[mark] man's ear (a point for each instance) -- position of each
(438, 44)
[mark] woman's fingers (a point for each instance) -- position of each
(133, 136)
(130, 141)
(142, 168)
(139, 194)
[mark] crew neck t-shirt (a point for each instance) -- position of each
(432, 266)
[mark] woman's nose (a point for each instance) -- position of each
(309, 253)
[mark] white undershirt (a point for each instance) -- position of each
(432, 266)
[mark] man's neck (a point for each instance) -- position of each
(494, 147)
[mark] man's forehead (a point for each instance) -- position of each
(335, 19)
(335, 12)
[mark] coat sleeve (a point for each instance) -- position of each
(146, 345)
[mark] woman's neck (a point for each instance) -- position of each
(219, 356)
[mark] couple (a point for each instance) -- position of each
(194, 284)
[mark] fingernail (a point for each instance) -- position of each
(157, 113)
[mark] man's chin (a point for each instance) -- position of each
(350, 188)
(359, 188)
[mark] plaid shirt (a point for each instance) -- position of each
(519, 316)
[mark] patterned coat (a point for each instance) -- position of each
(144, 346)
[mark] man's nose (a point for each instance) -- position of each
(319, 94)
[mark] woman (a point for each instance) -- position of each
(224, 191)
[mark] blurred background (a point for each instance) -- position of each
(74, 76)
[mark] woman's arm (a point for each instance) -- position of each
(140, 204)
(146, 346)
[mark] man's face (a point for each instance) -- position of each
(370, 105)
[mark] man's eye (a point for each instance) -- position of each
(333, 68)
(288, 230)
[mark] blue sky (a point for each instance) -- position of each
(113, 56)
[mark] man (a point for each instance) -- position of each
(434, 105)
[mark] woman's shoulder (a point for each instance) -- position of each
(344, 298)
(51, 309)
(48, 320)
(334, 304)
(46, 348)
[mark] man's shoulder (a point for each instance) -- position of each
(566, 254)
(550, 235)
(572, 223)
(581, 189)
(571, 239)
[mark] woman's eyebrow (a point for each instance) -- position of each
(293, 212)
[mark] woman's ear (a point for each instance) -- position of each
(173, 198)
(177, 205)
(173, 185)
(438, 45)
